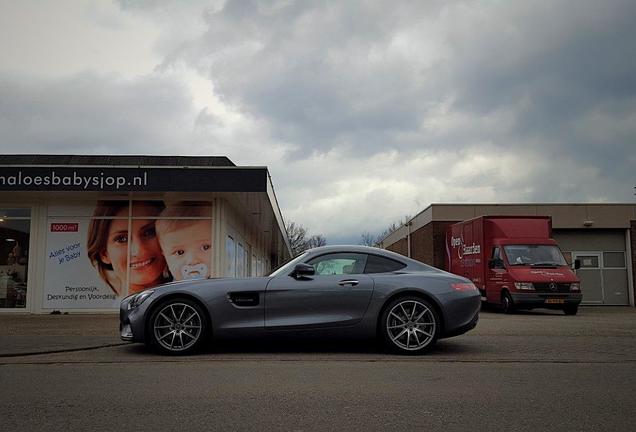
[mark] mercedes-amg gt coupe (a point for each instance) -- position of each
(344, 291)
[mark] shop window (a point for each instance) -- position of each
(100, 256)
(230, 257)
(240, 260)
(14, 213)
(14, 257)
(184, 233)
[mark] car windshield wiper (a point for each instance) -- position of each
(544, 264)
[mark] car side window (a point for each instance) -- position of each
(378, 264)
(338, 264)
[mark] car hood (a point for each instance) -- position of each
(543, 274)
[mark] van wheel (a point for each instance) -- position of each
(507, 304)
(571, 309)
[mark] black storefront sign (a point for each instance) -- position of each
(97, 179)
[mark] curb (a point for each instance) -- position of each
(63, 350)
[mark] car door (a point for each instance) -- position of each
(338, 294)
(497, 276)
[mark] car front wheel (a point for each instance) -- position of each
(410, 325)
(177, 327)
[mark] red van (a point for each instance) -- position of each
(514, 262)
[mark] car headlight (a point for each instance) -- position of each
(575, 287)
(139, 299)
(524, 285)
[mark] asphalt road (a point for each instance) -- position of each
(527, 372)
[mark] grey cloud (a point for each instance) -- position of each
(546, 84)
(89, 113)
(308, 68)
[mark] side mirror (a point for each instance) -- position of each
(495, 263)
(577, 264)
(303, 269)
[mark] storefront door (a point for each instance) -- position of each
(15, 224)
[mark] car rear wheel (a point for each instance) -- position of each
(410, 325)
(507, 304)
(177, 327)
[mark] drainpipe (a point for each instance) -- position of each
(630, 269)
(408, 238)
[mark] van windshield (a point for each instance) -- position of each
(534, 255)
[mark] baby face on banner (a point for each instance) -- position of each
(187, 247)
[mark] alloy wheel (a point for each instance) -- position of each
(411, 325)
(177, 327)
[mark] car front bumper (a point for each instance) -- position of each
(131, 322)
(546, 300)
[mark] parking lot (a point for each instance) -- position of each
(537, 370)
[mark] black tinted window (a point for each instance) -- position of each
(377, 264)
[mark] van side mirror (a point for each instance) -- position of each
(577, 264)
(302, 270)
(495, 263)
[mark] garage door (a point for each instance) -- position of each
(603, 270)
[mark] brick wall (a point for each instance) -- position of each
(428, 244)
(400, 246)
(422, 244)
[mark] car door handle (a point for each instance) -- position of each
(346, 282)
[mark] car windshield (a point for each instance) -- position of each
(534, 255)
(289, 265)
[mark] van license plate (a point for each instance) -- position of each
(555, 301)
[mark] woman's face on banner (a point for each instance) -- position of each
(146, 260)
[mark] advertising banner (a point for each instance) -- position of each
(71, 281)
(98, 253)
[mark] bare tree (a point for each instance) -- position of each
(300, 240)
(316, 241)
(394, 226)
(367, 239)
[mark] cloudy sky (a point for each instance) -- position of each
(364, 111)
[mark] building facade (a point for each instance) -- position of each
(79, 233)
(602, 236)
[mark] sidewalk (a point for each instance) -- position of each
(30, 334)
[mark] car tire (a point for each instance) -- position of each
(409, 325)
(507, 303)
(571, 310)
(177, 326)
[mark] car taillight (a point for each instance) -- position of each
(464, 286)
(575, 287)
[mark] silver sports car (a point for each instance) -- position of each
(349, 291)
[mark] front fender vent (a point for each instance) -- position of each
(245, 298)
